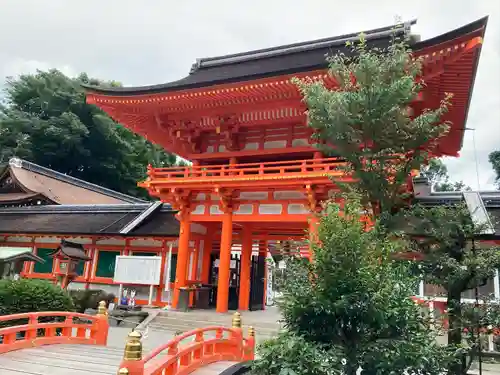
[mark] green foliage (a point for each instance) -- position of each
(494, 158)
(353, 304)
(367, 120)
(46, 121)
(89, 299)
(290, 354)
(30, 295)
(437, 174)
(444, 237)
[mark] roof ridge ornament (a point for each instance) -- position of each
(195, 66)
(16, 162)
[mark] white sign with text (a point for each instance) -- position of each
(140, 270)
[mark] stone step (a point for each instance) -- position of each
(178, 326)
(254, 319)
(168, 320)
(263, 316)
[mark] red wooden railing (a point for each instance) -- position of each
(299, 167)
(179, 358)
(45, 328)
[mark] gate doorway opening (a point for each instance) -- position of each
(257, 281)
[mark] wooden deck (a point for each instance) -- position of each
(75, 360)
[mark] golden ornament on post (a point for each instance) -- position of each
(102, 310)
(133, 347)
(123, 371)
(251, 332)
(236, 320)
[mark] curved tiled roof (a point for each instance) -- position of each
(100, 219)
(290, 58)
(281, 60)
(60, 188)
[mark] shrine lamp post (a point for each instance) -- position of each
(68, 254)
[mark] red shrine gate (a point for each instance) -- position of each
(256, 176)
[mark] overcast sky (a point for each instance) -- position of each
(155, 41)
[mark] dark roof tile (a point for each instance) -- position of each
(87, 220)
(286, 59)
(72, 250)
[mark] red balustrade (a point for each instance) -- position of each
(294, 167)
(45, 328)
(207, 345)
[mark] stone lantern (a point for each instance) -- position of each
(69, 254)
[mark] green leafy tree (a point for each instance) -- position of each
(46, 120)
(494, 158)
(437, 174)
(368, 121)
(444, 237)
(351, 308)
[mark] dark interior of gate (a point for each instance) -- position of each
(288, 242)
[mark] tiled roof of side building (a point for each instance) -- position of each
(285, 59)
(491, 200)
(54, 184)
(89, 220)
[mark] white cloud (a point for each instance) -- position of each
(16, 67)
(141, 43)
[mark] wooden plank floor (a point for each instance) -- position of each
(61, 360)
(75, 360)
(214, 368)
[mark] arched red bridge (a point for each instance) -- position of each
(59, 340)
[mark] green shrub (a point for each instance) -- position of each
(89, 299)
(31, 295)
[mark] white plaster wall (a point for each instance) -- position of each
(111, 241)
(198, 228)
(76, 286)
(145, 242)
(109, 288)
(288, 194)
(19, 239)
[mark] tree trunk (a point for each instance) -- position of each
(352, 364)
(455, 329)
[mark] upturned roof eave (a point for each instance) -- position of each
(189, 82)
(35, 168)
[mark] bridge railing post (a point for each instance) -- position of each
(100, 334)
(237, 334)
(132, 363)
(249, 347)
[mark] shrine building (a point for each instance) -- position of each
(41, 210)
(256, 177)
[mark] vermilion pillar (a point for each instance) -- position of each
(246, 263)
(194, 266)
(207, 251)
(182, 257)
(225, 262)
